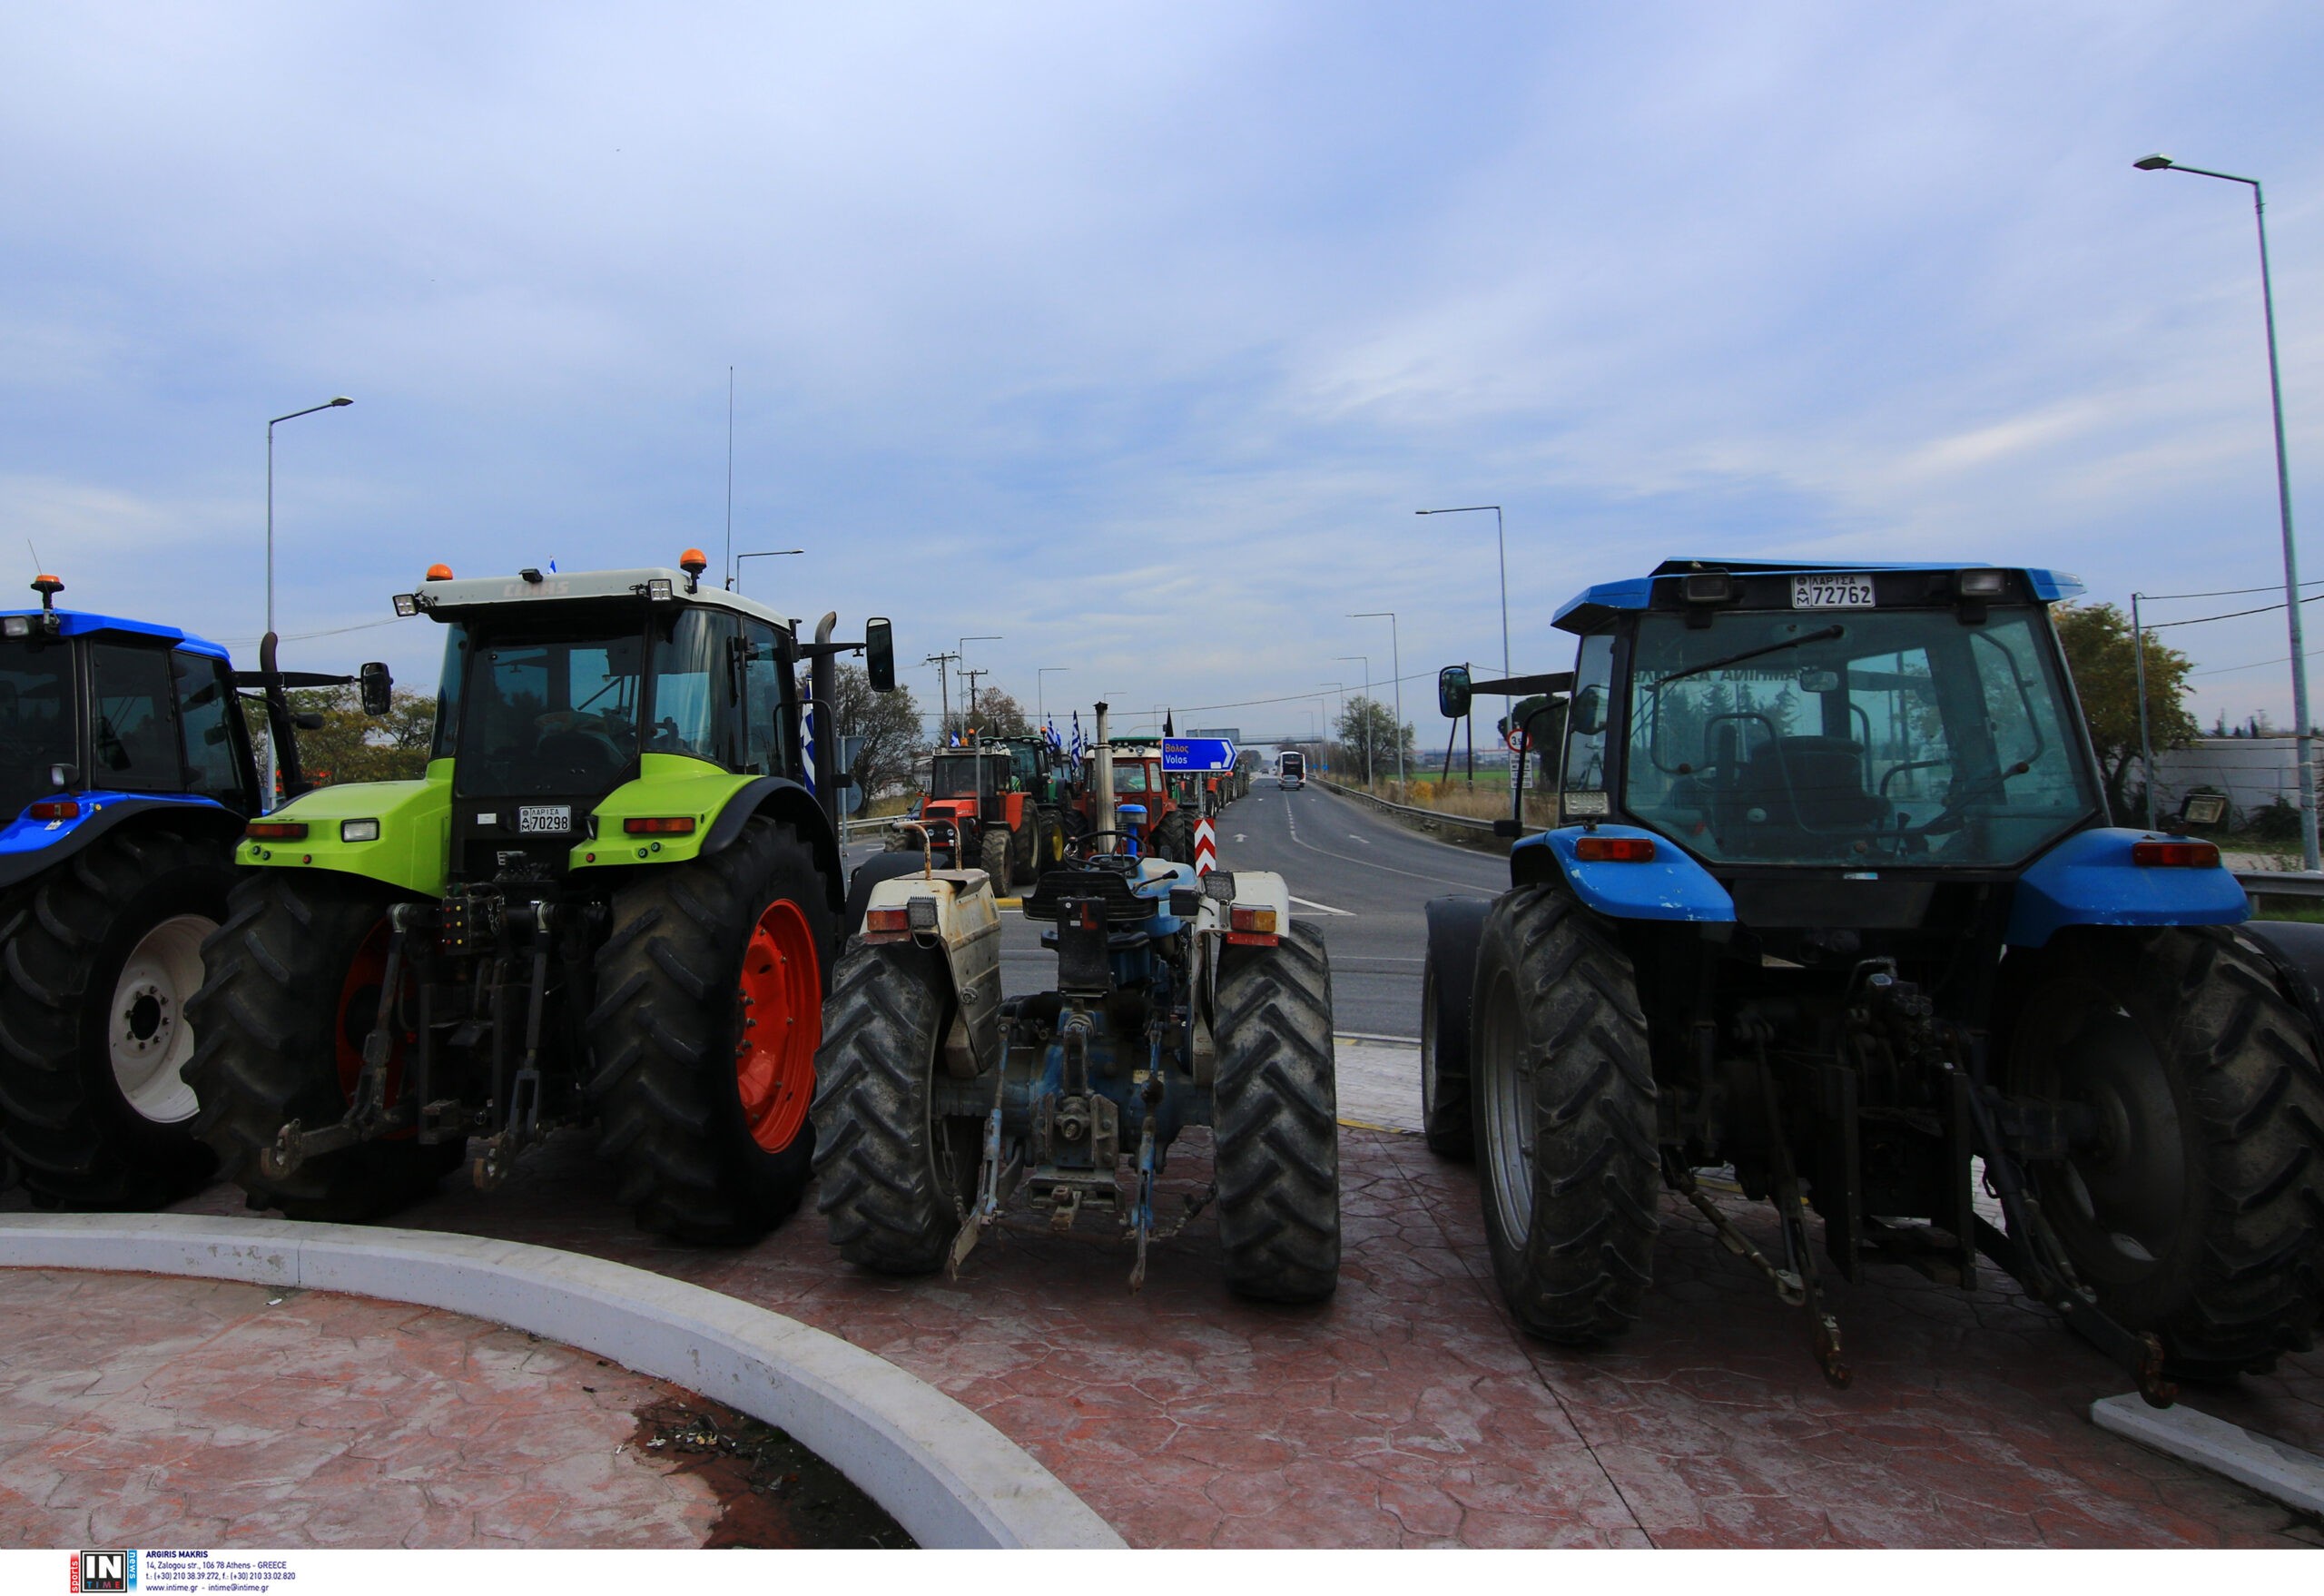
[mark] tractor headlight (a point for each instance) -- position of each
(16, 626)
(1983, 584)
(407, 605)
(1709, 587)
(657, 587)
(358, 831)
(922, 912)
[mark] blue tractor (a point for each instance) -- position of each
(1831, 899)
(126, 769)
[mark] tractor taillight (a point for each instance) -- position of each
(659, 826)
(2190, 855)
(896, 922)
(54, 809)
(1614, 850)
(276, 830)
(1251, 920)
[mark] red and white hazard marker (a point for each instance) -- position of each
(1206, 846)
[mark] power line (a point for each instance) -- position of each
(2230, 616)
(326, 632)
(2224, 592)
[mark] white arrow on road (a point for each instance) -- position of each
(1241, 838)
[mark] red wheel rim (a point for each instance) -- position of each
(780, 999)
(360, 996)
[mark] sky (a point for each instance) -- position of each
(1135, 335)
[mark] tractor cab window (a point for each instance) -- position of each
(205, 692)
(762, 707)
(955, 776)
(1581, 783)
(548, 715)
(36, 720)
(133, 734)
(694, 708)
(1853, 736)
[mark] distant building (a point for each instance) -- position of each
(2253, 772)
(1232, 733)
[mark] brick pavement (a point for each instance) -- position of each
(1406, 1412)
(144, 1411)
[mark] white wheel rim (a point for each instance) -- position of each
(145, 1026)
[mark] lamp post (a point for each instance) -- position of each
(1339, 725)
(1041, 698)
(2146, 746)
(1500, 544)
(266, 775)
(735, 581)
(2283, 503)
(1396, 664)
(1367, 694)
(338, 403)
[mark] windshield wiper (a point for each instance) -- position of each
(1827, 633)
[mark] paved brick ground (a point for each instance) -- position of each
(143, 1411)
(1405, 1412)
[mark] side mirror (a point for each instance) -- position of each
(1588, 715)
(880, 655)
(377, 687)
(1453, 692)
(308, 721)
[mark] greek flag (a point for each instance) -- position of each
(1049, 732)
(807, 744)
(1076, 736)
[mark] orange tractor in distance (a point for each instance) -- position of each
(978, 812)
(1165, 829)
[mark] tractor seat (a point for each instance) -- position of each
(1815, 783)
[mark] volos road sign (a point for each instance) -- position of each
(1197, 754)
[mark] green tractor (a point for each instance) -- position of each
(614, 898)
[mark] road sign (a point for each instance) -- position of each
(1197, 754)
(1205, 845)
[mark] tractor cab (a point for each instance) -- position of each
(968, 789)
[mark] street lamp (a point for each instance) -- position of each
(1041, 698)
(1396, 664)
(1367, 696)
(1339, 726)
(1501, 543)
(338, 403)
(2283, 501)
(734, 582)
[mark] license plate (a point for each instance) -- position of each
(1831, 593)
(545, 817)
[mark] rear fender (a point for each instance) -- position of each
(1253, 889)
(2089, 880)
(28, 847)
(1672, 886)
(968, 930)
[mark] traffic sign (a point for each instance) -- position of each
(1205, 845)
(1197, 754)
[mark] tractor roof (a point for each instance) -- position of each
(1593, 606)
(452, 597)
(80, 623)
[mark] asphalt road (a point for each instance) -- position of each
(1359, 875)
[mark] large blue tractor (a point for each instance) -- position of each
(1832, 899)
(126, 773)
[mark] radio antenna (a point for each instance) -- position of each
(730, 479)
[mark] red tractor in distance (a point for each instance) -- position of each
(1166, 830)
(977, 811)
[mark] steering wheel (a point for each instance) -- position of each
(1077, 848)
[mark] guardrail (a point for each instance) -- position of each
(2257, 883)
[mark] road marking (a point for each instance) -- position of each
(1241, 837)
(1320, 908)
(1353, 838)
(1291, 823)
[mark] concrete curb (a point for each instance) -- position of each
(948, 1476)
(2291, 1477)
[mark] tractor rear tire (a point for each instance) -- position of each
(1174, 839)
(100, 956)
(279, 1029)
(893, 1179)
(993, 857)
(1564, 1104)
(1275, 1122)
(2199, 1212)
(708, 1124)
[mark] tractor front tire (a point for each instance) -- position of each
(1275, 1120)
(894, 1179)
(710, 989)
(2197, 1211)
(1174, 839)
(293, 987)
(1563, 1099)
(993, 855)
(100, 956)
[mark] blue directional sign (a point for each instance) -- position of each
(1197, 754)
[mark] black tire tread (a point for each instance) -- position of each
(1274, 1120)
(1580, 1274)
(62, 1119)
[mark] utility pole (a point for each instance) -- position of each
(943, 693)
(971, 678)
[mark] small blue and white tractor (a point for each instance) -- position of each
(1181, 1000)
(1831, 899)
(126, 778)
